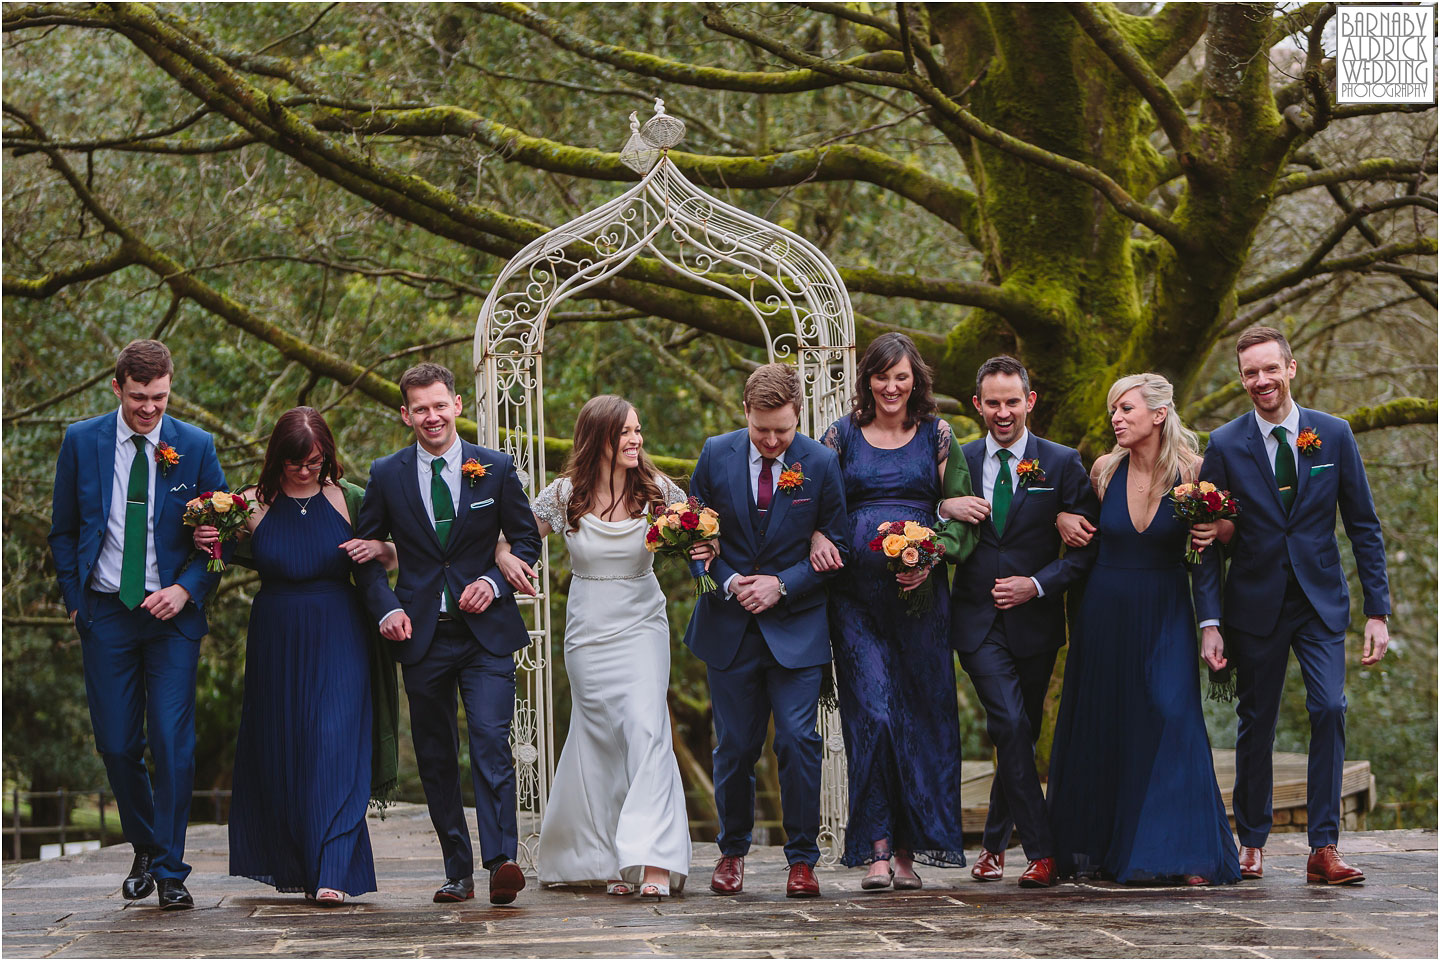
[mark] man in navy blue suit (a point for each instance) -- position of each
(1285, 590)
(1007, 616)
(454, 621)
(134, 589)
(764, 635)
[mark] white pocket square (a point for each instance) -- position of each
(1319, 467)
(1040, 490)
(180, 487)
(485, 503)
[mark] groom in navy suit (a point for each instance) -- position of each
(1285, 590)
(1007, 615)
(134, 589)
(764, 635)
(454, 620)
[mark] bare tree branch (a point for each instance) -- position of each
(1313, 266)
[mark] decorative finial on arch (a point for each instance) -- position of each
(662, 130)
(634, 122)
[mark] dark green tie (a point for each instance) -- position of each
(137, 495)
(444, 509)
(1003, 491)
(1284, 469)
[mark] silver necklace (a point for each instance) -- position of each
(305, 503)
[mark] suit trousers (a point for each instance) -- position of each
(1012, 689)
(139, 681)
(1260, 664)
(486, 683)
(745, 695)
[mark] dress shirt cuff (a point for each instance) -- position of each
(1039, 591)
(389, 614)
(729, 593)
(1210, 622)
(494, 591)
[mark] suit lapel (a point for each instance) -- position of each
(739, 487)
(1302, 469)
(410, 490)
(780, 502)
(105, 461)
(1256, 443)
(462, 505)
(1032, 450)
(975, 457)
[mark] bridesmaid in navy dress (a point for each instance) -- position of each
(302, 762)
(1133, 795)
(895, 673)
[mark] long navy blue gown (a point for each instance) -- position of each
(1132, 791)
(302, 762)
(894, 672)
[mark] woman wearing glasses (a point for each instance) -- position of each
(303, 761)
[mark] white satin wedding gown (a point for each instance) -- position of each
(617, 803)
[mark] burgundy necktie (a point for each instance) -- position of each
(766, 491)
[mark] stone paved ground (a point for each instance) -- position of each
(71, 907)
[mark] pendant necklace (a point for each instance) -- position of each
(305, 503)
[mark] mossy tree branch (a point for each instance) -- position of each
(1399, 412)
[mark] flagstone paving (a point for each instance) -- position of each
(71, 907)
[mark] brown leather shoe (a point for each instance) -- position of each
(729, 876)
(1040, 874)
(990, 866)
(1326, 867)
(1252, 863)
(506, 881)
(802, 883)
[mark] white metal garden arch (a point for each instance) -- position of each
(791, 289)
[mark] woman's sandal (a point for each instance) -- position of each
(329, 897)
(656, 890)
(620, 889)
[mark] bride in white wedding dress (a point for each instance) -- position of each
(616, 811)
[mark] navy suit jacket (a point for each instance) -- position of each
(80, 512)
(796, 629)
(1268, 541)
(495, 503)
(1029, 547)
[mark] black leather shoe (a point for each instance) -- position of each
(506, 881)
(139, 883)
(455, 889)
(173, 896)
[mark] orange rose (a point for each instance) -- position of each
(894, 544)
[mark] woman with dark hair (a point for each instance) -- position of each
(303, 760)
(617, 807)
(895, 675)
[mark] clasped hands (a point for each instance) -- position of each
(522, 576)
(477, 596)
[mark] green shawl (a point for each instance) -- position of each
(957, 537)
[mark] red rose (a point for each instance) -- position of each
(689, 520)
(897, 527)
(1214, 501)
(928, 545)
(652, 535)
(875, 544)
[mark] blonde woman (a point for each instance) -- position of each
(1133, 795)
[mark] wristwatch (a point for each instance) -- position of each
(782, 585)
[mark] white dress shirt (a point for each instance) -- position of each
(105, 577)
(1291, 423)
(990, 473)
(756, 464)
(450, 473)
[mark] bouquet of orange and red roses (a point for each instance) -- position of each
(1201, 503)
(223, 510)
(679, 527)
(910, 547)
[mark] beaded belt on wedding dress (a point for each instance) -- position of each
(611, 577)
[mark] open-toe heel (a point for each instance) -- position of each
(656, 890)
(620, 889)
(329, 897)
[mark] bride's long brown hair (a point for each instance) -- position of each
(597, 441)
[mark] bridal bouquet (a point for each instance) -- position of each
(910, 546)
(1201, 503)
(679, 527)
(222, 510)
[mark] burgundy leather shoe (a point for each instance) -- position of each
(1040, 874)
(1252, 863)
(1326, 867)
(990, 866)
(729, 876)
(802, 883)
(506, 881)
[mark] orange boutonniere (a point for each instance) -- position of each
(166, 456)
(1308, 441)
(1029, 473)
(791, 479)
(472, 470)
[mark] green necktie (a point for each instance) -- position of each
(1003, 491)
(1284, 469)
(444, 508)
(137, 495)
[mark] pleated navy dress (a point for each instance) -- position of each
(1133, 796)
(302, 762)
